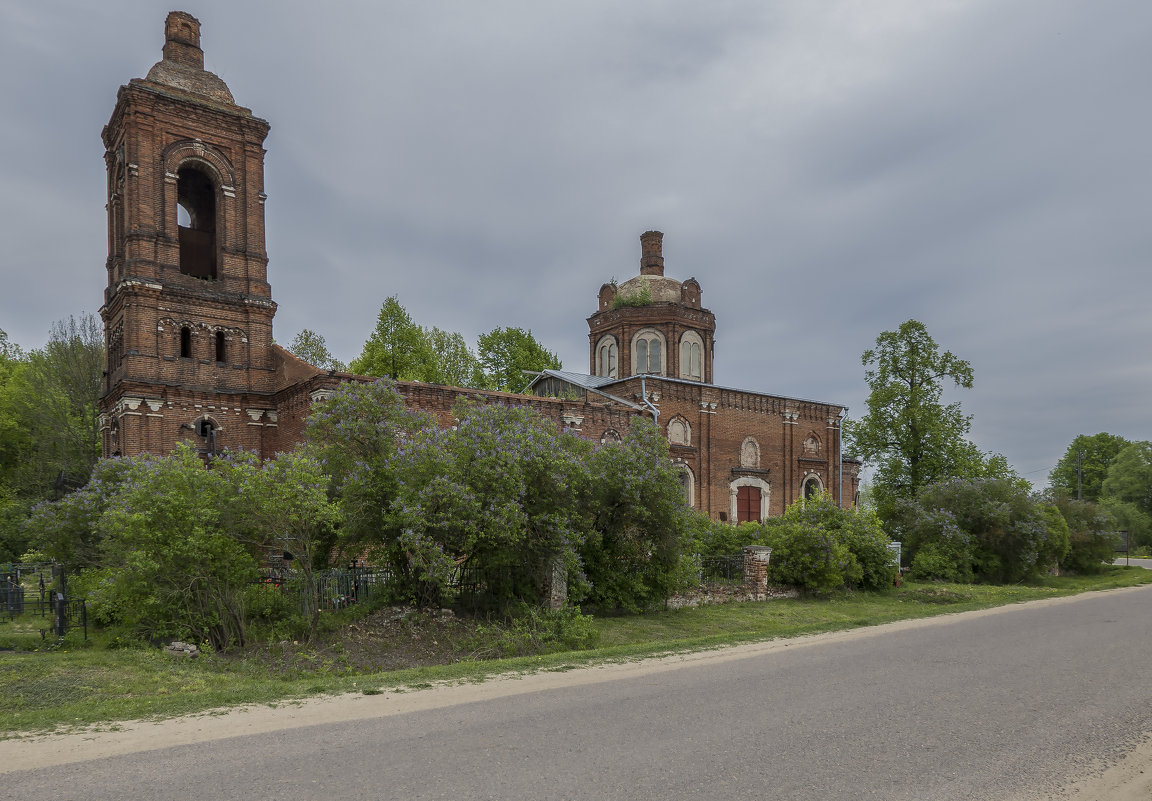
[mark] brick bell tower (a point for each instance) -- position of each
(188, 309)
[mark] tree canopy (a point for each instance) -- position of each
(506, 353)
(909, 435)
(397, 347)
(312, 348)
(1096, 454)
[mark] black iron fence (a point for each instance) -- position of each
(722, 569)
(336, 588)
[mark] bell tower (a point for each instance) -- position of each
(188, 309)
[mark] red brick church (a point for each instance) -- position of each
(188, 322)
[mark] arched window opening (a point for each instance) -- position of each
(185, 343)
(692, 356)
(220, 345)
(647, 353)
(196, 222)
(206, 429)
(812, 487)
(606, 357)
(611, 435)
(687, 484)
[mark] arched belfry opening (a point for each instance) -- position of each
(196, 218)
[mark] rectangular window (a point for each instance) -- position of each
(185, 343)
(220, 347)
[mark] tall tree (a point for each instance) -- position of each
(397, 347)
(1130, 476)
(908, 434)
(506, 353)
(1096, 453)
(55, 398)
(310, 347)
(452, 362)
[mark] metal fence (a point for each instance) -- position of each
(722, 569)
(336, 588)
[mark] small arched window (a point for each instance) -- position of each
(692, 356)
(679, 432)
(648, 353)
(185, 342)
(221, 352)
(196, 223)
(607, 355)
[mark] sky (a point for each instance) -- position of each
(826, 169)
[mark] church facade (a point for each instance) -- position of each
(188, 314)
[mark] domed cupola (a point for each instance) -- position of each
(651, 324)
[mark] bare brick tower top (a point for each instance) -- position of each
(183, 64)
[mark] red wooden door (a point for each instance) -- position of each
(748, 505)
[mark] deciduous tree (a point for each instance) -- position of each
(397, 348)
(312, 348)
(909, 435)
(1096, 453)
(506, 353)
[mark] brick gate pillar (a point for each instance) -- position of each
(756, 569)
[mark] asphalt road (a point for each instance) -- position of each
(988, 706)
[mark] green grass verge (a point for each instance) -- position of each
(75, 683)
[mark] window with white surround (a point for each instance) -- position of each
(687, 483)
(648, 352)
(812, 486)
(679, 431)
(692, 356)
(607, 355)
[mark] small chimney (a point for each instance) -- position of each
(651, 258)
(182, 40)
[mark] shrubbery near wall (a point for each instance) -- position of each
(979, 529)
(816, 546)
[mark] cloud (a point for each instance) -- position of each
(826, 171)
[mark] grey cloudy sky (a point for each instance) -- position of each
(825, 168)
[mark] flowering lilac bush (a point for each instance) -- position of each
(639, 528)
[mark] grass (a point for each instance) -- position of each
(76, 683)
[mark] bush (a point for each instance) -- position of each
(1092, 539)
(857, 529)
(711, 538)
(991, 528)
(531, 630)
(935, 561)
(810, 558)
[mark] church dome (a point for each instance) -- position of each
(658, 288)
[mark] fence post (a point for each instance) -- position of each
(61, 614)
(555, 582)
(756, 569)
